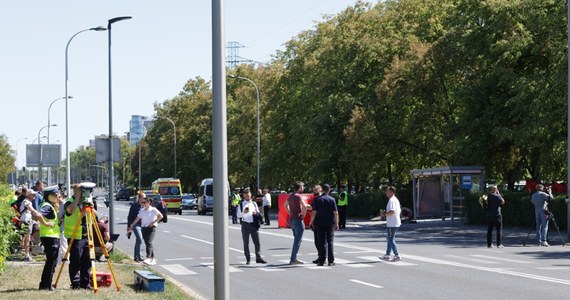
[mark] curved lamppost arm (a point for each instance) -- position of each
(258, 129)
(67, 159)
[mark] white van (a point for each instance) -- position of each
(205, 202)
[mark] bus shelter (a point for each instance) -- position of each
(440, 192)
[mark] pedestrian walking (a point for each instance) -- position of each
(247, 209)
(149, 217)
(296, 208)
(324, 221)
(342, 205)
(266, 206)
(393, 222)
(540, 201)
(48, 216)
(494, 216)
(136, 229)
(317, 191)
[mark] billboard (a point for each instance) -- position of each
(102, 149)
(46, 155)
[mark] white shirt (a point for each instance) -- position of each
(25, 212)
(247, 217)
(148, 216)
(267, 200)
(393, 220)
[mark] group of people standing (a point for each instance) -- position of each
(325, 218)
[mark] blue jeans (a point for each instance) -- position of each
(541, 226)
(298, 228)
(137, 231)
(391, 240)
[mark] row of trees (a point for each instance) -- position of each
(378, 90)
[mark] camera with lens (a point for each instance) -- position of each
(86, 191)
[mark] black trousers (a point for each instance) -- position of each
(324, 237)
(266, 214)
(248, 229)
(496, 222)
(342, 216)
(148, 236)
(79, 263)
(51, 249)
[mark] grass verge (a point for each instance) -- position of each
(20, 280)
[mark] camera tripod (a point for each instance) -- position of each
(91, 226)
(550, 216)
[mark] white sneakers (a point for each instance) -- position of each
(544, 244)
(149, 261)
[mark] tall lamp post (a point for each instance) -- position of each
(174, 129)
(111, 171)
(258, 129)
(67, 162)
(49, 123)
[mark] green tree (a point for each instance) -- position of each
(7, 158)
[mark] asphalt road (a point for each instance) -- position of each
(440, 260)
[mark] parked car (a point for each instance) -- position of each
(124, 194)
(189, 201)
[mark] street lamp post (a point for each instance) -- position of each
(48, 141)
(67, 163)
(258, 129)
(174, 129)
(41, 151)
(111, 171)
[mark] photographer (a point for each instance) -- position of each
(494, 217)
(540, 201)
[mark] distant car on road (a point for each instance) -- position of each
(189, 201)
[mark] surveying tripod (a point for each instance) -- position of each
(90, 221)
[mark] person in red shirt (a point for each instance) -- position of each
(296, 208)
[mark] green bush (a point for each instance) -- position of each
(8, 235)
(518, 211)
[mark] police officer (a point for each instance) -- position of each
(235, 202)
(342, 204)
(49, 235)
(79, 261)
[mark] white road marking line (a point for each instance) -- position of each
(352, 264)
(166, 231)
(473, 259)
(356, 252)
(554, 268)
(366, 283)
(208, 242)
(231, 269)
(487, 269)
(178, 269)
(502, 259)
(397, 263)
(175, 259)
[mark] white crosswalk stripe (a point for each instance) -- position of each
(211, 266)
(177, 269)
(398, 263)
(352, 264)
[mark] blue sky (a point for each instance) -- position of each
(165, 44)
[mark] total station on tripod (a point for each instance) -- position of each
(86, 192)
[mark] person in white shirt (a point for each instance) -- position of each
(246, 209)
(266, 205)
(393, 222)
(27, 211)
(149, 217)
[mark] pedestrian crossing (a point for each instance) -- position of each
(279, 262)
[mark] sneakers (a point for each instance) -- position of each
(396, 258)
(147, 261)
(29, 259)
(385, 257)
(500, 246)
(152, 262)
(544, 244)
(296, 262)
